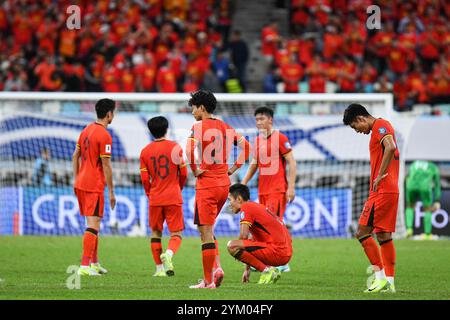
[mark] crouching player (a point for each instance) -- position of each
(163, 174)
(270, 245)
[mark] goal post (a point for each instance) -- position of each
(332, 161)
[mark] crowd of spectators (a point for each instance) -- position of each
(121, 46)
(184, 45)
(330, 49)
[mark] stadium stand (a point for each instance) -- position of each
(330, 49)
(122, 46)
(183, 45)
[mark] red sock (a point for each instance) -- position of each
(156, 250)
(388, 255)
(89, 240)
(251, 260)
(208, 257)
(372, 252)
(174, 243)
(95, 256)
(217, 259)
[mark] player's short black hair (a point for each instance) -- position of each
(352, 111)
(265, 111)
(205, 98)
(240, 189)
(103, 106)
(158, 126)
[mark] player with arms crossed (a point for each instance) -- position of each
(423, 183)
(379, 214)
(214, 139)
(163, 174)
(271, 243)
(91, 162)
(272, 152)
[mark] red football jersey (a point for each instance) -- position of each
(215, 139)
(269, 155)
(265, 226)
(380, 130)
(162, 160)
(95, 143)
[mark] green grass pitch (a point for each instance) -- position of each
(35, 268)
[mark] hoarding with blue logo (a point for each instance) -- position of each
(54, 211)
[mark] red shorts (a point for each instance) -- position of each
(268, 253)
(208, 203)
(92, 204)
(173, 215)
(275, 202)
(380, 212)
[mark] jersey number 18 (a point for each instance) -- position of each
(161, 166)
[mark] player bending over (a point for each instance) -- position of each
(163, 174)
(214, 138)
(422, 184)
(270, 245)
(379, 214)
(93, 150)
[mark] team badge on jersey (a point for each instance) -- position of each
(108, 148)
(382, 130)
(287, 145)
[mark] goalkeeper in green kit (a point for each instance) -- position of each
(422, 184)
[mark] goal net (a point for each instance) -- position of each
(38, 133)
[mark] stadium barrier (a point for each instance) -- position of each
(54, 211)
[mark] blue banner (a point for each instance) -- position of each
(9, 210)
(318, 212)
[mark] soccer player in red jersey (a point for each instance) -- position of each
(92, 170)
(214, 139)
(272, 152)
(379, 214)
(270, 244)
(163, 173)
